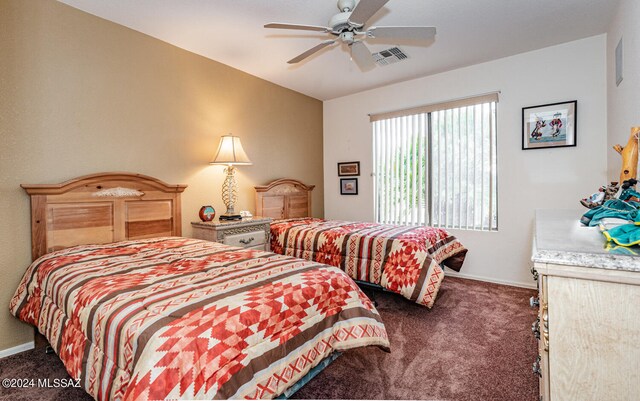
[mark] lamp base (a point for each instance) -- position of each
(230, 216)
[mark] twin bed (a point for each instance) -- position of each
(135, 311)
(403, 259)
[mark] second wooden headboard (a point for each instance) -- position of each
(285, 198)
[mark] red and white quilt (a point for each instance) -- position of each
(181, 318)
(405, 260)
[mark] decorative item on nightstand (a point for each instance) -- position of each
(207, 213)
(230, 153)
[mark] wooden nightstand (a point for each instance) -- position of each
(251, 233)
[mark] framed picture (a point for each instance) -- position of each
(549, 125)
(348, 169)
(348, 186)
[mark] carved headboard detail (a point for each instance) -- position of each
(102, 208)
(285, 198)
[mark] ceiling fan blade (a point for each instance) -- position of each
(402, 32)
(365, 10)
(316, 28)
(362, 56)
(311, 51)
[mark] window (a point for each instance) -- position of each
(436, 165)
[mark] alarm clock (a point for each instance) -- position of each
(207, 213)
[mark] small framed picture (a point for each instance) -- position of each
(347, 169)
(348, 186)
(550, 125)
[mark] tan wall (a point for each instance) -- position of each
(80, 95)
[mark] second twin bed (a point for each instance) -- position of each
(406, 260)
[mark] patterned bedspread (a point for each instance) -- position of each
(183, 318)
(405, 260)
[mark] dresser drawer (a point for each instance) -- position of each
(245, 240)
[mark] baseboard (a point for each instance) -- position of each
(17, 349)
(491, 280)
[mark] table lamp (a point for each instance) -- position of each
(230, 154)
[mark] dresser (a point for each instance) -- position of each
(589, 312)
(250, 233)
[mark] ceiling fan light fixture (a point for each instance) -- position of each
(346, 5)
(340, 22)
(347, 37)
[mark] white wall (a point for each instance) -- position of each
(527, 180)
(623, 101)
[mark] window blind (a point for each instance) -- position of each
(491, 97)
(400, 153)
(438, 166)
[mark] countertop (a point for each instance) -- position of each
(561, 239)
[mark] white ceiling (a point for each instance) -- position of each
(469, 32)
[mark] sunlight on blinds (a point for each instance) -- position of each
(400, 153)
(438, 168)
(463, 168)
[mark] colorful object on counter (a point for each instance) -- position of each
(629, 155)
(594, 200)
(624, 235)
(604, 194)
(207, 213)
(614, 208)
(625, 205)
(620, 250)
(628, 191)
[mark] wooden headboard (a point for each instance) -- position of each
(285, 198)
(102, 208)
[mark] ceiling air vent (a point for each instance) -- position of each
(389, 56)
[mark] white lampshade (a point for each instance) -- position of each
(230, 152)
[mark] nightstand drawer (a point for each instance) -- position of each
(250, 233)
(245, 240)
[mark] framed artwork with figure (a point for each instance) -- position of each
(550, 125)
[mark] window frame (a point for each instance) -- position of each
(491, 214)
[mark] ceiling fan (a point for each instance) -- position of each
(348, 26)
